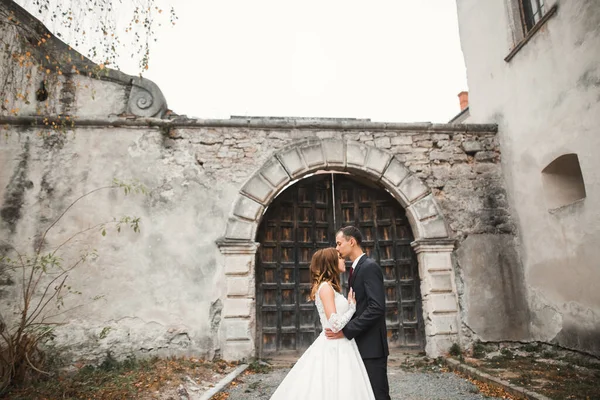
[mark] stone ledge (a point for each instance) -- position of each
(262, 123)
(517, 391)
(237, 247)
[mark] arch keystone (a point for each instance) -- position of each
(335, 152)
(356, 155)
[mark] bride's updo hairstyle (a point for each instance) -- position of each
(324, 268)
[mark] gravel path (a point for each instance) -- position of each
(403, 385)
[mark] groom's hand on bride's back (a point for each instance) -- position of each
(332, 335)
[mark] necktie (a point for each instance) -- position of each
(350, 277)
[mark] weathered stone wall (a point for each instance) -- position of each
(163, 289)
(167, 289)
(546, 102)
(461, 168)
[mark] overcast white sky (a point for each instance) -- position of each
(387, 60)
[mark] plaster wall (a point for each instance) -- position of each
(546, 102)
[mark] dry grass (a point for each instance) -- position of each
(131, 379)
(559, 378)
(487, 389)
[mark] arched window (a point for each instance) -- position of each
(563, 182)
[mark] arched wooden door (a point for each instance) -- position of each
(304, 218)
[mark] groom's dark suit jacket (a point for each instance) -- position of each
(367, 326)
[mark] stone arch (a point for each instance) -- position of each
(433, 243)
(302, 158)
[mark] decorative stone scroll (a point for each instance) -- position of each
(146, 99)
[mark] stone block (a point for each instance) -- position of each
(425, 144)
(247, 208)
(401, 140)
(425, 208)
(395, 172)
(439, 155)
(293, 162)
(412, 188)
(239, 230)
(440, 282)
(434, 228)
(326, 134)
(356, 154)
(238, 308)
(485, 156)
(238, 350)
(334, 151)
(239, 285)
(437, 346)
(442, 302)
(472, 146)
(383, 142)
(403, 149)
(421, 136)
(488, 169)
(236, 329)
(441, 172)
(441, 324)
(274, 173)
(258, 189)
(432, 262)
(463, 171)
(460, 157)
(238, 264)
(377, 160)
(491, 143)
(440, 136)
(313, 155)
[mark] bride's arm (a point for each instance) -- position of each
(336, 321)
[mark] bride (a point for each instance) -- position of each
(328, 369)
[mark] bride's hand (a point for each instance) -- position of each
(351, 297)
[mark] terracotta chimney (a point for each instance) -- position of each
(463, 97)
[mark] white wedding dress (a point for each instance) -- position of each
(330, 369)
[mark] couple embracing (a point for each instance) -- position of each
(348, 360)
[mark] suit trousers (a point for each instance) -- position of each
(377, 371)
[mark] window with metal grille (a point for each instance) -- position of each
(532, 12)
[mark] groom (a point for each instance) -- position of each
(367, 325)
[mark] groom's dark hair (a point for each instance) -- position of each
(352, 231)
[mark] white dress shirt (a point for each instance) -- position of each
(356, 261)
